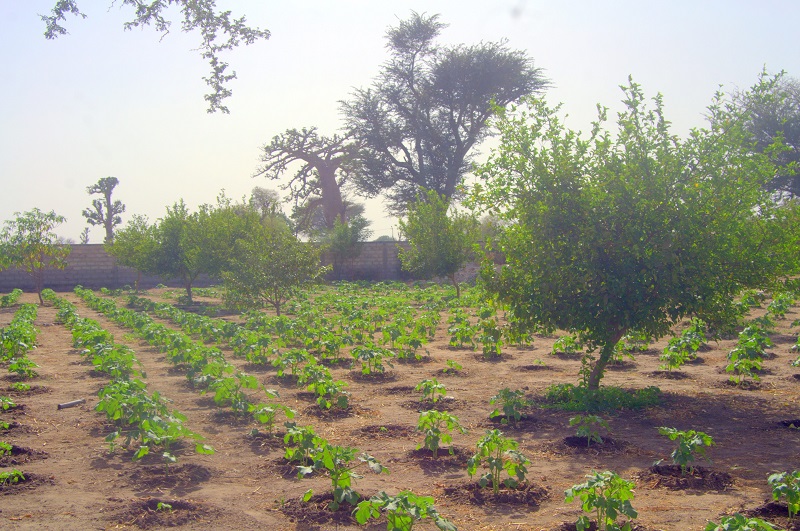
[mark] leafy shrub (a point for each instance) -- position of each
(436, 426)
(588, 427)
(569, 397)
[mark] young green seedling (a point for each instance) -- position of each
(430, 388)
(737, 522)
(337, 463)
(588, 427)
(607, 496)
(787, 484)
(512, 402)
(690, 442)
(498, 453)
(402, 511)
(436, 425)
(11, 477)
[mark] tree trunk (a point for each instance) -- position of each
(189, 292)
(332, 203)
(455, 283)
(605, 356)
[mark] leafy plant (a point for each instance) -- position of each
(452, 367)
(7, 403)
(266, 413)
(570, 397)
(337, 462)
(498, 453)
(588, 427)
(512, 402)
(607, 496)
(436, 425)
(690, 442)
(737, 522)
(372, 358)
(20, 386)
(5, 448)
(746, 357)
(430, 388)
(11, 477)
(683, 348)
(302, 443)
(567, 345)
(787, 484)
(489, 333)
(402, 510)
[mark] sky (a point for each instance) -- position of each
(102, 101)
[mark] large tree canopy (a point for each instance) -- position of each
(201, 16)
(634, 229)
(775, 114)
(29, 242)
(418, 123)
(104, 212)
(323, 166)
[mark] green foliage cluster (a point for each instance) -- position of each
(437, 425)
(28, 242)
(684, 348)
(136, 415)
(402, 511)
(747, 356)
(9, 299)
(606, 496)
(439, 243)
(17, 339)
(690, 444)
(631, 229)
(580, 398)
(787, 485)
(499, 454)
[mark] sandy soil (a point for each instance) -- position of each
(75, 483)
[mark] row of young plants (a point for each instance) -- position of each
(206, 367)
(696, 328)
(17, 339)
(11, 298)
(143, 421)
(317, 378)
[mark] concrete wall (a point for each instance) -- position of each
(90, 266)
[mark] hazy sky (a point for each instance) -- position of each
(104, 102)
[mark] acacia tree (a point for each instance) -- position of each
(418, 123)
(29, 243)
(775, 114)
(324, 165)
(630, 230)
(197, 16)
(439, 244)
(104, 212)
(267, 267)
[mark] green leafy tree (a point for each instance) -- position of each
(632, 230)
(28, 242)
(268, 267)
(428, 108)
(346, 239)
(439, 243)
(104, 212)
(189, 244)
(135, 246)
(776, 115)
(219, 33)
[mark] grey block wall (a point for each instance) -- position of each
(89, 265)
